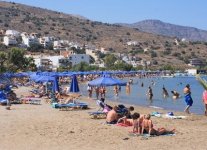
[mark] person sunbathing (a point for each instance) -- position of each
(67, 101)
(112, 116)
(147, 127)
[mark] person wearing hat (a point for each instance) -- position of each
(188, 98)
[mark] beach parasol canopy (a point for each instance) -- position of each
(74, 85)
(106, 81)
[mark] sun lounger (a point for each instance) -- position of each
(31, 100)
(70, 106)
(98, 115)
(3, 101)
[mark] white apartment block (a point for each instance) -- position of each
(46, 41)
(92, 53)
(9, 40)
(78, 58)
(12, 33)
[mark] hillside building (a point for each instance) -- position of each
(9, 40)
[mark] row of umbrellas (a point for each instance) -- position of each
(105, 80)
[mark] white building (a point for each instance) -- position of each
(104, 51)
(46, 62)
(60, 44)
(78, 58)
(29, 39)
(191, 71)
(92, 52)
(9, 40)
(132, 43)
(12, 33)
(46, 41)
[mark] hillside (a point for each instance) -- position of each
(162, 50)
(167, 29)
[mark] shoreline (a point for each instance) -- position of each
(33, 127)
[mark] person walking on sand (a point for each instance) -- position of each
(188, 98)
(205, 101)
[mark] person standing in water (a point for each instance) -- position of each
(188, 98)
(116, 90)
(149, 93)
(128, 89)
(165, 92)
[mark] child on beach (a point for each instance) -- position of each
(137, 123)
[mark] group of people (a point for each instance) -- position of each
(100, 91)
(141, 124)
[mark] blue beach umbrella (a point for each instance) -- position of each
(55, 86)
(106, 81)
(74, 85)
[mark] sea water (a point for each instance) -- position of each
(138, 93)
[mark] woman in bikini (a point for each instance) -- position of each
(147, 127)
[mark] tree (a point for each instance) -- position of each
(3, 58)
(29, 64)
(34, 47)
(16, 58)
(109, 60)
(120, 65)
(83, 66)
(17, 61)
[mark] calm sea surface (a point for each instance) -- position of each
(138, 93)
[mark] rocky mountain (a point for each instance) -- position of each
(159, 50)
(167, 29)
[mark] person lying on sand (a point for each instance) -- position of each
(147, 127)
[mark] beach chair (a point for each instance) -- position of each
(31, 100)
(101, 112)
(70, 106)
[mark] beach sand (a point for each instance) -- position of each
(41, 127)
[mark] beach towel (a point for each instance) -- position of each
(169, 115)
(147, 135)
(123, 125)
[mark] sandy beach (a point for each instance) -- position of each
(41, 127)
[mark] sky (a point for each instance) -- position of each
(191, 13)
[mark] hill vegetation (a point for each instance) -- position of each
(162, 51)
(171, 30)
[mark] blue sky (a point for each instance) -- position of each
(181, 12)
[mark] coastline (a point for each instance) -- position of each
(28, 126)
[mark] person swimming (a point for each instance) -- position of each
(175, 94)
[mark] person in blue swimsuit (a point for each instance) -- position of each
(188, 98)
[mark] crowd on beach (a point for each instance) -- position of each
(123, 116)
(100, 92)
(141, 124)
